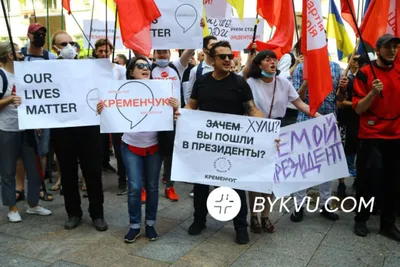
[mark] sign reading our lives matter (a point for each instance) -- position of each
(60, 93)
(179, 25)
(137, 106)
(225, 150)
(311, 153)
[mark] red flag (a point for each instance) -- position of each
(316, 55)
(135, 17)
(346, 13)
(375, 22)
(283, 20)
(67, 5)
(268, 9)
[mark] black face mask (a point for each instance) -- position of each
(39, 39)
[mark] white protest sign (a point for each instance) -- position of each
(179, 25)
(225, 150)
(99, 32)
(217, 8)
(137, 106)
(311, 153)
(238, 32)
(60, 93)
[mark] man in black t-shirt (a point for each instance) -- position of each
(223, 92)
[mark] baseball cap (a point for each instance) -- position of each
(34, 27)
(386, 38)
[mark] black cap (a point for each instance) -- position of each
(386, 38)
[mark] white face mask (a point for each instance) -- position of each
(68, 52)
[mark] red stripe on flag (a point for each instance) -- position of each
(67, 5)
(346, 13)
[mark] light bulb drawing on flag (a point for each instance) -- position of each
(186, 16)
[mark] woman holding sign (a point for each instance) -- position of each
(141, 156)
(271, 95)
(15, 143)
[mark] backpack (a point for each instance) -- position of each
(45, 56)
(5, 83)
(293, 60)
(199, 71)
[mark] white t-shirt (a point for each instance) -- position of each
(263, 94)
(140, 139)
(192, 78)
(9, 114)
(169, 73)
(119, 72)
(284, 66)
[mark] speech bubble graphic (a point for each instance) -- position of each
(92, 99)
(125, 92)
(186, 16)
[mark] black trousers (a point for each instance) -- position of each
(200, 206)
(105, 148)
(116, 141)
(378, 175)
(83, 143)
(290, 117)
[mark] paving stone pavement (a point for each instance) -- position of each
(315, 242)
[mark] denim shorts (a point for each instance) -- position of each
(43, 141)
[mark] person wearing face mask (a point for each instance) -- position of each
(271, 93)
(142, 158)
(14, 142)
(376, 99)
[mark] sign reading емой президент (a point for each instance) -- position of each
(225, 150)
(52, 99)
(310, 154)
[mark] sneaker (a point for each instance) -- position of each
(38, 210)
(109, 168)
(297, 216)
(100, 224)
(242, 236)
(329, 214)
(171, 194)
(13, 216)
(361, 229)
(72, 223)
(122, 191)
(143, 195)
(267, 225)
(151, 233)
(131, 236)
(196, 228)
(164, 180)
(191, 194)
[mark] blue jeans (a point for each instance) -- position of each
(351, 164)
(137, 166)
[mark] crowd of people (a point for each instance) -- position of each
(364, 101)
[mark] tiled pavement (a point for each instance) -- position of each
(42, 241)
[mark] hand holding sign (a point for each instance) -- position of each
(186, 16)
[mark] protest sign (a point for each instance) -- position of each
(311, 153)
(225, 150)
(60, 93)
(179, 25)
(217, 8)
(239, 33)
(99, 32)
(137, 106)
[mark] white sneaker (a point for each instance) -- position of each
(38, 210)
(13, 216)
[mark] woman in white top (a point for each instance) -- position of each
(141, 156)
(272, 94)
(15, 143)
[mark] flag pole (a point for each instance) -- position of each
(34, 11)
(9, 30)
(115, 31)
(106, 27)
(295, 22)
(91, 28)
(254, 34)
(362, 41)
(48, 26)
(83, 33)
(62, 18)
(351, 58)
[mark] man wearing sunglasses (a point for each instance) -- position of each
(224, 92)
(63, 45)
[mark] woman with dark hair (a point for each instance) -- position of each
(272, 94)
(142, 158)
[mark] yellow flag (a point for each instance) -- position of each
(239, 6)
(23, 2)
(206, 30)
(111, 5)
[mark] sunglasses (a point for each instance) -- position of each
(141, 66)
(64, 44)
(223, 56)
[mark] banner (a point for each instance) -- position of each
(225, 150)
(179, 25)
(99, 32)
(137, 106)
(238, 32)
(52, 99)
(311, 153)
(217, 8)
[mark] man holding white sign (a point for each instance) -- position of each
(223, 92)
